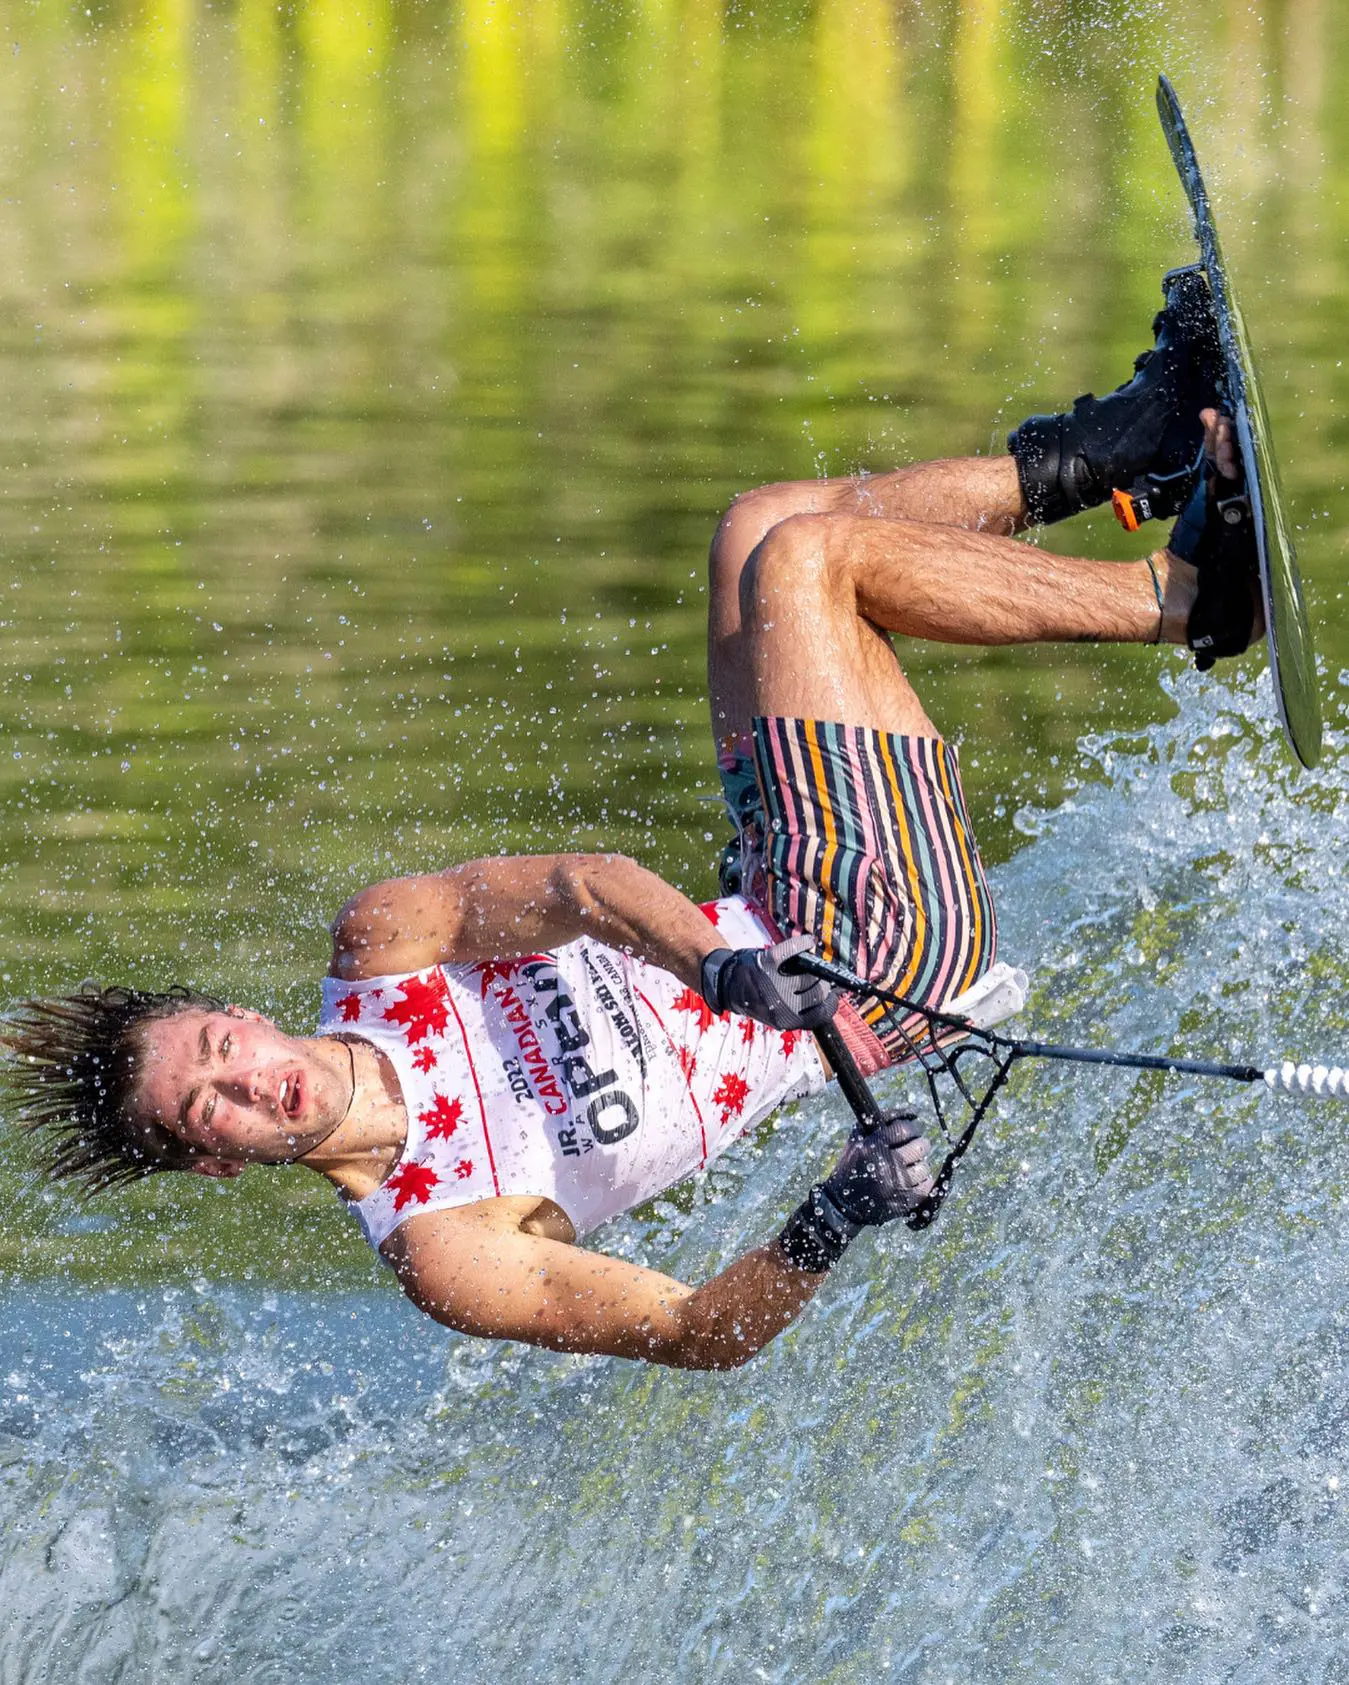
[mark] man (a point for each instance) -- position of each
(515, 1050)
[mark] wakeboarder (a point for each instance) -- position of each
(513, 1051)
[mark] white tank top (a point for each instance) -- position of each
(584, 1076)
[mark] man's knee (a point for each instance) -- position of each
(798, 558)
(747, 522)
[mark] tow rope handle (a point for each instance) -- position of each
(1000, 993)
(869, 1115)
(854, 1085)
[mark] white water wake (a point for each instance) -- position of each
(1094, 1425)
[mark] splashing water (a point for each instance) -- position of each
(1092, 1426)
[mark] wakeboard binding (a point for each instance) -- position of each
(1216, 535)
(1141, 446)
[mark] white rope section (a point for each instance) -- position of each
(1289, 1078)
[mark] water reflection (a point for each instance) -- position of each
(375, 374)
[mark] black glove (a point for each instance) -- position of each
(880, 1177)
(751, 981)
(883, 1175)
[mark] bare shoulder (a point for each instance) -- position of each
(482, 909)
(400, 925)
(437, 1257)
(422, 1237)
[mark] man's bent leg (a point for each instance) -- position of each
(980, 494)
(860, 836)
(820, 594)
(856, 818)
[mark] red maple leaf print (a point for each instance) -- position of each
(747, 1030)
(711, 911)
(789, 1041)
(731, 1094)
(424, 1009)
(688, 1062)
(443, 1117)
(411, 1181)
(350, 1008)
(692, 1001)
(424, 1059)
(464, 1169)
(490, 970)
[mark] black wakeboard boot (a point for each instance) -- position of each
(1144, 441)
(1216, 535)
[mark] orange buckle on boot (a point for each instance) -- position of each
(1126, 510)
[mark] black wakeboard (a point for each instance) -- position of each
(1292, 658)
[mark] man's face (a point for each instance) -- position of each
(237, 1089)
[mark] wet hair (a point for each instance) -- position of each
(71, 1065)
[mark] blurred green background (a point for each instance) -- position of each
(374, 376)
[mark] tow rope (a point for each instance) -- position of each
(974, 1041)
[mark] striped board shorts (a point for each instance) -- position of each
(861, 839)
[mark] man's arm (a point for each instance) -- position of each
(476, 1269)
(480, 1273)
(520, 904)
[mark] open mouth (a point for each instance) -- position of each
(288, 1096)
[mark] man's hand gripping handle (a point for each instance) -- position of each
(882, 1175)
(762, 983)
